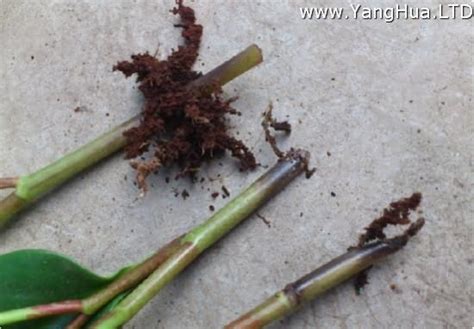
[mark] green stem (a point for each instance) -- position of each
(244, 61)
(206, 234)
(35, 312)
(31, 187)
(317, 282)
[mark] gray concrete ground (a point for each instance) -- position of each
(392, 103)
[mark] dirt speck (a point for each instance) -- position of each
(79, 109)
(395, 288)
(185, 194)
(225, 191)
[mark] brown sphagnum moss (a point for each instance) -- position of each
(397, 213)
(180, 125)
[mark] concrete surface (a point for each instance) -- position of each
(392, 103)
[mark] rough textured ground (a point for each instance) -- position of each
(385, 109)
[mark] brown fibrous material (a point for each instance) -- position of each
(396, 214)
(269, 122)
(179, 125)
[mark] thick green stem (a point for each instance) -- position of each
(31, 187)
(244, 61)
(317, 282)
(206, 234)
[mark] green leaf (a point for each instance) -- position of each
(34, 277)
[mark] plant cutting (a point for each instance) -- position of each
(40, 301)
(175, 97)
(373, 247)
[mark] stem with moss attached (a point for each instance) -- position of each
(317, 282)
(205, 235)
(31, 187)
